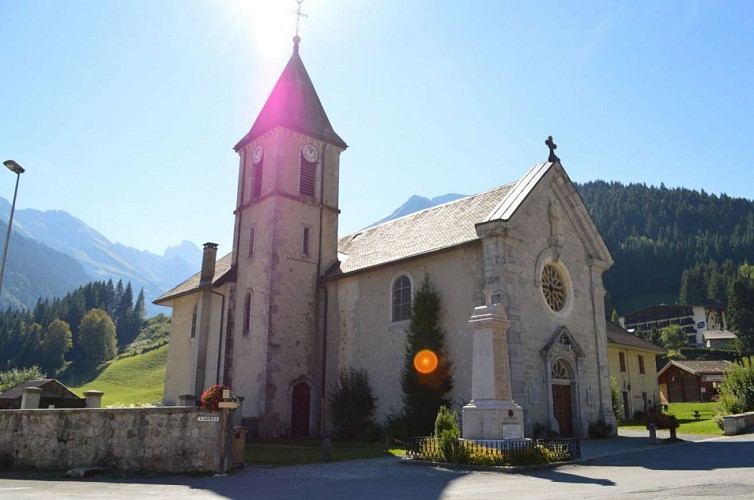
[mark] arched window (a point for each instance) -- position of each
(193, 320)
(401, 298)
(247, 314)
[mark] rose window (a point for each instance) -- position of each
(553, 288)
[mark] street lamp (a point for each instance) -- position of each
(18, 170)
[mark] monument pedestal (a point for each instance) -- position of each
(493, 420)
(491, 414)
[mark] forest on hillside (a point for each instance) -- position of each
(85, 326)
(676, 241)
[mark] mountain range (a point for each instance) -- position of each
(73, 253)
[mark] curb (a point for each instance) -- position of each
(501, 469)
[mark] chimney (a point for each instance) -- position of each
(208, 263)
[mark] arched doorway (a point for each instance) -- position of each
(300, 400)
(562, 404)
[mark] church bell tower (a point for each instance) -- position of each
(285, 238)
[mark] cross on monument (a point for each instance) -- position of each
(550, 144)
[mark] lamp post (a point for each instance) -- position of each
(18, 170)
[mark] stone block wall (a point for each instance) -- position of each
(168, 439)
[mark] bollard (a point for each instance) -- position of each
(326, 450)
(652, 433)
(672, 434)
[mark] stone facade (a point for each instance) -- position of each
(504, 265)
(299, 305)
(165, 440)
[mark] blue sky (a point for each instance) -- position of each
(125, 112)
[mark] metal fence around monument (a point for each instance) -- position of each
(510, 452)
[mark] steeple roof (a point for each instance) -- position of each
(294, 104)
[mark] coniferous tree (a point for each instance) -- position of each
(122, 318)
(424, 393)
(741, 309)
(134, 319)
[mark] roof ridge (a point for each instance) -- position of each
(433, 207)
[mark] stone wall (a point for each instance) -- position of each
(169, 439)
(736, 424)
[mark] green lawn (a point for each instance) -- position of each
(131, 380)
(684, 412)
(282, 452)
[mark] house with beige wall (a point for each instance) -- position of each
(292, 304)
(633, 363)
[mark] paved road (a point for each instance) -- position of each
(625, 468)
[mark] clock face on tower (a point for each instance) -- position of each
(256, 155)
(310, 152)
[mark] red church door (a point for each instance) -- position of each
(561, 403)
(300, 410)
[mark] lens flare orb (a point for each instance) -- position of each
(425, 361)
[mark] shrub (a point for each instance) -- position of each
(662, 420)
(640, 415)
(352, 406)
(448, 433)
(542, 431)
(617, 398)
(736, 392)
(396, 427)
(600, 430)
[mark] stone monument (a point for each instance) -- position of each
(491, 414)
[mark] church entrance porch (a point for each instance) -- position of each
(300, 400)
(563, 408)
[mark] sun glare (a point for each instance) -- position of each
(268, 24)
(425, 361)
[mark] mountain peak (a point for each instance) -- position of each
(416, 203)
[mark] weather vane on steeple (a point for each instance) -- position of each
(299, 15)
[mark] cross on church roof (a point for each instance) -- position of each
(551, 144)
(299, 15)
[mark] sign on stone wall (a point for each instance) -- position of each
(205, 418)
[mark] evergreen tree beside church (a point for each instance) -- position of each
(425, 393)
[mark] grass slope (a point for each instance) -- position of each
(131, 380)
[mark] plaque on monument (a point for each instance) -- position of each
(512, 432)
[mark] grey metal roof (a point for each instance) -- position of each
(619, 336)
(419, 233)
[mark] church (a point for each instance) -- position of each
(291, 305)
